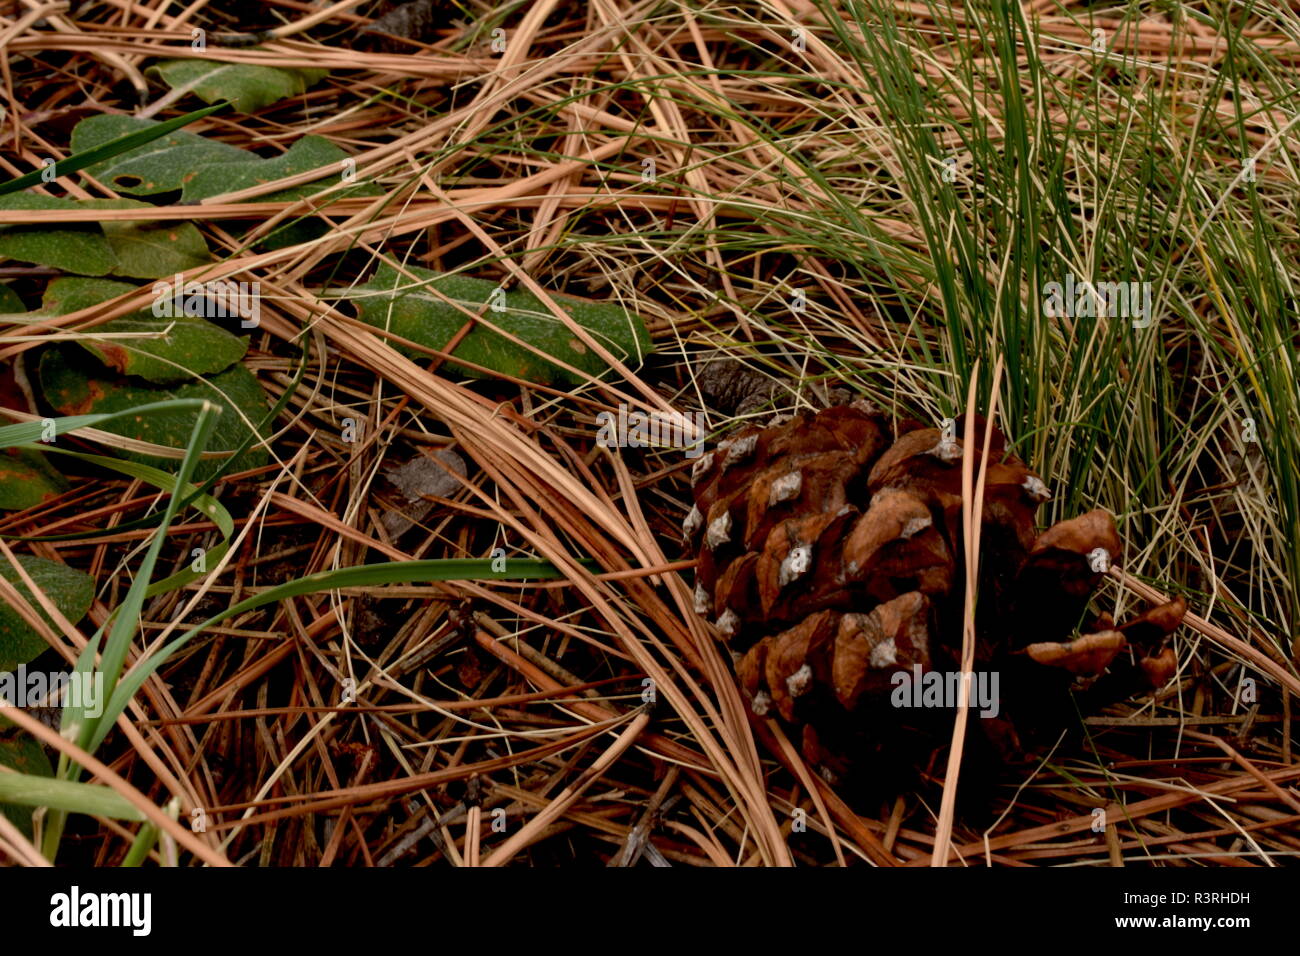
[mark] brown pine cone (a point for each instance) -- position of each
(831, 562)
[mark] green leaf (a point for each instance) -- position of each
(26, 480)
(150, 250)
(294, 233)
(72, 247)
(10, 303)
(248, 88)
(69, 294)
(93, 799)
(308, 153)
(83, 159)
(159, 167)
(408, 309)
(185, 346)
(74, 386)
(141, 249)
(69, 589)
(24, 753)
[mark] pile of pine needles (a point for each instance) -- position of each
(791, 146)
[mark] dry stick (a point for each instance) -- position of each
(639, 835)
(383, 157)
(468, 198)
(748, 786)
(548, 227)
(665, 747)
(566, 797)
(641, 63)
(303, 804)
(112, 59)
(972, 514)
(476, 115)
(472, 819)
(339, 241)
(279, 53)
(155, 686)
(254, 669)
(735, 715)
(26, 20)
(116, 783)
(250, 263)
(710, 847)
(490, 455)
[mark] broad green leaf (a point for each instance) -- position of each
(159, 167)
(151, 250)
(72, 294)
(308, 153)
(75, 386)
(81, 248)
(141, 249)
(10, 304)
(184, 346)
(69, 589)
(24, 753)
(247, 87)
(29, 433)
(407, 308)
(83, 159)
(26, 480)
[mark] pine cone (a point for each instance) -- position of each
(831, 562)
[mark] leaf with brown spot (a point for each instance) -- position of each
(74, 384)
(27, 480)
(169, 350)
(22, 752)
